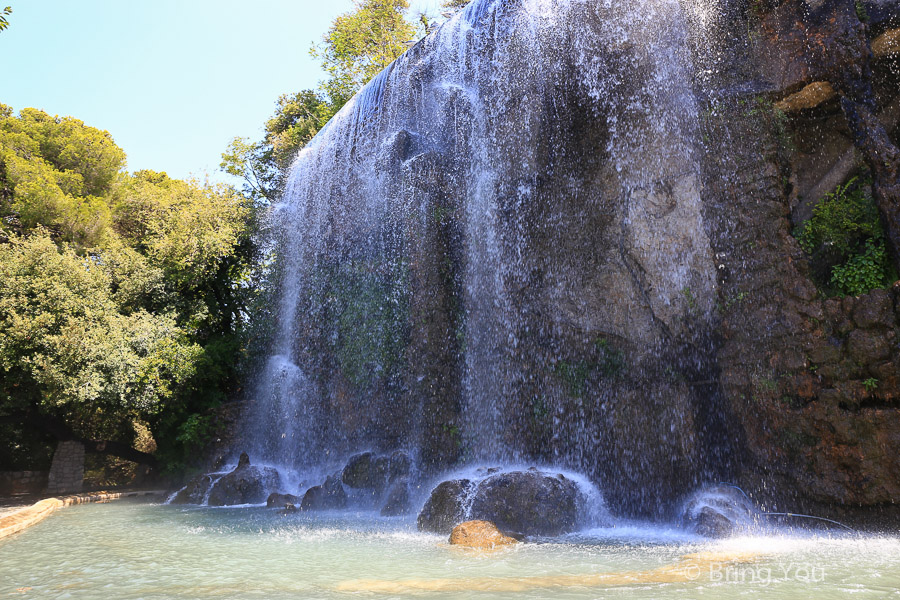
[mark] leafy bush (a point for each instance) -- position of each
(846, 243)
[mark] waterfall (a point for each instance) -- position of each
(496, 252)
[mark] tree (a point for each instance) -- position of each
(57, 173)
(123, 296)
(73, 363)
(454, 6)
(362, 43)
(3, 14)
(358, 46)
(264, 165)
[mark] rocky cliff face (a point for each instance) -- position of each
(561, 231)
(811, 383)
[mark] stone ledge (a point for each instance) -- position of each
(31, 515)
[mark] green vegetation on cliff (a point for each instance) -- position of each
(846, 242)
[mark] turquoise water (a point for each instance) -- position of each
(130, 551)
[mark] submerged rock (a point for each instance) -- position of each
(276, 500)
(520, 502)
(397, 501)
(718, 511)
(479, 534)
(445, 508)
(245, 485)
(328, 496)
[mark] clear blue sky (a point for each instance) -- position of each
(172, 80)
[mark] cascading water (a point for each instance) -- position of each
(496, 252)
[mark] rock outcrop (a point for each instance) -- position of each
(445, 507)
(328, 496)
(527, 503)
(194, 492)
(594, 258)
(718, 512)
(397, 500)
(276, 500)
(247, 484)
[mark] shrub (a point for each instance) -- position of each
(846, 243)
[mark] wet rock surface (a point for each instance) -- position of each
(526, 503)
(445, 507)
(276, 500)
(397, 500)
(247, 484)
(718, 512)
(194, 492)
(328, 496)
(368, 471)
(661, 381)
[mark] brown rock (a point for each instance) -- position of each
(874, 310)
(479, 534)
(809, 97)
(865, 347)
(824, 353)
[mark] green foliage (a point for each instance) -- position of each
(357, 47)
(612, 361)
(4, 23)
(454, 5)
(575, 376)
(57, 173)
(264, 165)
(846, 242)
(65, 345)
(863, 272)
(362, 43)
(871, 384)
(122, 295)
(183, 227)
(195, 431)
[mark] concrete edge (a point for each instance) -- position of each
(25, 517)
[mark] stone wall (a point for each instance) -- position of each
(22, 482)
(809, 384)
(67, 470)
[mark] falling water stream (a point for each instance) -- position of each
(427, 300)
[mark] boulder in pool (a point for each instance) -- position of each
(528, 503)
(519, 503)
(247, 484)
(365, 471)
(397, 501)
(328, 496)
(276, 500)
(194, 492)
(718, 511)
(445, 508)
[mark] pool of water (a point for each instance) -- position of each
(128, 551)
